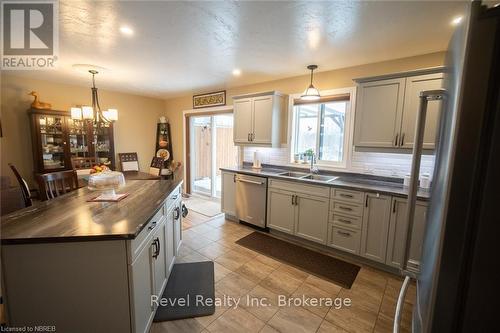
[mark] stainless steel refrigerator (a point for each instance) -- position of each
(457, 287)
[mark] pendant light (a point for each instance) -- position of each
(311, 93)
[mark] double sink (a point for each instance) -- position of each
(308, 176)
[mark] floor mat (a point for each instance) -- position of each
(203, 206)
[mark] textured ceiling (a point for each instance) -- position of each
(184, 47)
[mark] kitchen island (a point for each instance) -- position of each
(84, 266)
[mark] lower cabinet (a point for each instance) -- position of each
(228, 197)
(375, 228)
(344, 239)
(159, 254)
(169, 246)
(397, 234)
(298, 214)
(177, 215)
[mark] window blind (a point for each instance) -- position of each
(324, 99)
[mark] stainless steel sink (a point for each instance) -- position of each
(293, 174)
(320, 178)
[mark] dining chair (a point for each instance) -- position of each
(25, 190)
(128, 161)
(156, 166)
(55, 184)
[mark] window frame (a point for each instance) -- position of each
(348, 130)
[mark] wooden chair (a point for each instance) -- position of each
(156, 166)
(128, 161)
(83, 162)
(55, 184)
(26, 192)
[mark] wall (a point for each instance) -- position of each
(340, 78)
(135, 129)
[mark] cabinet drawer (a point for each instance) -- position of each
(345, 220)
(316, 190)
(347, 208)
(344, 239)
(347, 195)
(150, 228)
(172, 198)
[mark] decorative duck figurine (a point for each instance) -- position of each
(37, 104)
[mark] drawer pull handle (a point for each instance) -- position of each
(343, 233)
(152, 226)
(345, 221)
(346, 195)
(174, 197)
(345, 208)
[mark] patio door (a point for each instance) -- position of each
(211, 147)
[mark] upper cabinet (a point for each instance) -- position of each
(258, 119)
(386, 110)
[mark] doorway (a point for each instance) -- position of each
(211, 147)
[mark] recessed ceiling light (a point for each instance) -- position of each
(457, 20)
(236, 72)
(126, 30)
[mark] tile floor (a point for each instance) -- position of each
(240, 272)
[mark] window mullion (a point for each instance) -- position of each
(321, 126)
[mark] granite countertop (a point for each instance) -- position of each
(71, 218)
(352, 181)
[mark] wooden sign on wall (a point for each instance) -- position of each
(208, 100)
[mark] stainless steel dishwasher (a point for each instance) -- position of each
(251, 198)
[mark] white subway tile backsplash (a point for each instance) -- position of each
(382, 164)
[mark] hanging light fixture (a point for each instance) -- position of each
(311, 93)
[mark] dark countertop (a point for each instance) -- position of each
(352, 181)
(71, 218)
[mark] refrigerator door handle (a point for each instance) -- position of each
(425, 97)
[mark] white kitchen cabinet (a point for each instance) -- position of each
(258, 119)
(281, 210)
(347, 240)
(397, 234)
(159, 262)
(375, 226)
(169, 244)
(379, 108)
(228, 197)
(311, 217)
(386, 110)
(414, 85)
(177, 214)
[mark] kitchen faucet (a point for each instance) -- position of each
(313, 168)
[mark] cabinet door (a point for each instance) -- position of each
(263, 120)
(142, 289)
(169, 243)
(177, 227)
(160, 260)
(397, 233)
(378, 113)
(312, 218)
(414, 85)
(228, 203)
(280, 210)
(375, 226)
(243, 120)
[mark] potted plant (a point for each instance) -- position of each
(308, 154)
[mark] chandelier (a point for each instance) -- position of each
(100, 118)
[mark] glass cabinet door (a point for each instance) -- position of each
(104, 145)
(52, 141)
(78, 136)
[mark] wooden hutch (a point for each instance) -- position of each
(56, 138)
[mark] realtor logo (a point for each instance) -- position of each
(29, 34)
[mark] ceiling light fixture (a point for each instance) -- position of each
(99, 118)
(126, 30)
(311, 93)
(236, 72)
(457, 20)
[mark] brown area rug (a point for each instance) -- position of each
(329, 268)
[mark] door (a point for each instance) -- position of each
(177, 216)
(378, 113)
(414, 85)
(79, 137)
(52, 143)
(211, 148)
(280, 210)
(263, 120)
(160, 260)
(375, 227)
(243, 120)
(397, 233)
(169, 243)
(312, 218)
(143, 288)
(228, 203)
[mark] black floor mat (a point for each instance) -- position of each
(191, 282)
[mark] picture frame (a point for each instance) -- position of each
(217, 98)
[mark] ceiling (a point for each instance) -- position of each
(184, 47)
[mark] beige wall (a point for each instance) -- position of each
(135, 129)
(322, 80)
